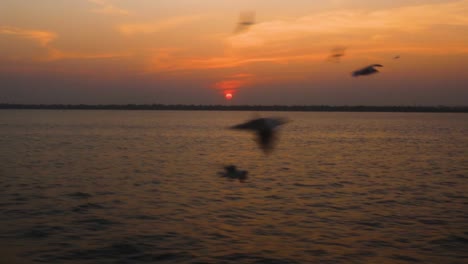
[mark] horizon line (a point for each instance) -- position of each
(208, 107)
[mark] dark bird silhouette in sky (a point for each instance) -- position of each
(367, 70)
(246, 20)
(265, 128)
(336, 54)
(396, 57)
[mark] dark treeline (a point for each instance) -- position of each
(301, 108)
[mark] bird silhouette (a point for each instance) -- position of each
(232, 172)
(265, 129)
(246, 20)
(367, 70)
(336, 54)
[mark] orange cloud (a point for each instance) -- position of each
(50, 53)
(105, 7)
(229, 84)
(42, 37)
(56, 54)
(157, 26)
(172, 60)
(234, 82)
(354, 23)
(166, 60)
(241, 75)
(309, 38)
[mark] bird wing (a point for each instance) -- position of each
(367, 70)
(255, 124)
(274, 122)
(358, 72)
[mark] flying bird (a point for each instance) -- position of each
(232, 172)
(367, 70)
(265, 128)
(336, 54)
(246, 20)
(396, 57)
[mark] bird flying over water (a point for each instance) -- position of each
(246, 20)
(232, 172)
(367, 70)
(265, 128)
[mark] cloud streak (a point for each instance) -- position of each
(157, 26)
(308, 38)
(349, 22)
(45, 38)
(167, 60)
(56, 54)
(42, 37)
(234, 82)
(105, 7)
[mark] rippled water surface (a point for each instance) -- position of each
(143, 187)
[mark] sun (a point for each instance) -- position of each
(228, 96)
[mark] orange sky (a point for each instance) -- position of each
(186, 51)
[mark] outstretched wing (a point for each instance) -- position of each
(255, 124)
(367, 70)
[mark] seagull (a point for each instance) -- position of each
(367, 70)
(337, 53)
(265, 130)
(233, 173)
(246, 20)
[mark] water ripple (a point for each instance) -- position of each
(141, 187)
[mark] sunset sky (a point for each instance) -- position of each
(187, 52)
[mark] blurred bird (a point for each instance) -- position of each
(396, 57)
(232, 172)
(336, 54)
(367, 70)
(246, 20)
(265, 128)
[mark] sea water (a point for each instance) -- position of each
(145, 187)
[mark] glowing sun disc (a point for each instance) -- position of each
(228, 96)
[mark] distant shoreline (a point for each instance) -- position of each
(282, 108)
